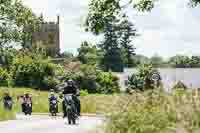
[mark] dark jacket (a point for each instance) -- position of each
(71, 90)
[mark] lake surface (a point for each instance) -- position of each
(170, 76)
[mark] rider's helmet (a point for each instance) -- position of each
(26, 95)
(6, 93)
(51, 92)
(70, 82)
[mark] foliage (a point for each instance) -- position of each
(179, 61)
(88, 53)
(90, 78)
(134, 82)
(100, 13)
(116, 49)
(87, 78)
(6, 56)
(67, 55)
(127, 31)
(84, 93)
(101, 10)
(15, 19)
(194, 3)
(110, 47)
(155, 112)
(142, 80)
(29, 72)
(5, 77)
(140, 59)
(108, 83)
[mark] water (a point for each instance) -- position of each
(170, 76)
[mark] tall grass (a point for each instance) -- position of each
(156, 112)
(6, 115)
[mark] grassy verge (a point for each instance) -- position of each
(5, 115)
(156, 112)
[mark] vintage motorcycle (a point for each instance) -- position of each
(70, 108)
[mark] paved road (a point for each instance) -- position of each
(43, 124)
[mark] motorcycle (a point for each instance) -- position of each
(28, 108)
(8, 104)
(53, 108)
(70, 109)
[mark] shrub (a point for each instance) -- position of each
(5, 77)
(142, 80)
(84, 93)
(30, 72)
(107, 83)
(92, 79)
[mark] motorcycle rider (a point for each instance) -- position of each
(7, 99)
(52, 98)
(27, 99)
(70, 88)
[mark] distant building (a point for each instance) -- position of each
(48, 35)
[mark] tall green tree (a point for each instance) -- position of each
(127, 31)
(112, 54)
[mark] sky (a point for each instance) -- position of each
(171, 28)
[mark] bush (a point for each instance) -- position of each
(107, 83)
(29, 72)
(92, 79)
(84, 93)
(142, 80)
(5, 77)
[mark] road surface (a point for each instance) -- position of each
(44, 124)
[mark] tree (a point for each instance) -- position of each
(127, 32)
(195, 61)
(88, 53)
(67, 54)
(16, 22)
(6, 57)
(101, 10)
(112, 54)
(180, 61)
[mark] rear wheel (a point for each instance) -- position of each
(74, 121)
(71, 116)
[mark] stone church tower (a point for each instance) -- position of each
(48, 35)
